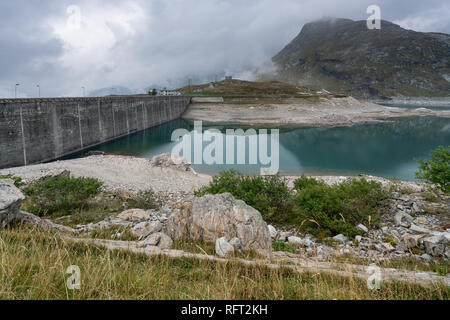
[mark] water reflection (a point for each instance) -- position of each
(387, 149)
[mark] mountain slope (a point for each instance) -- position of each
(344, 55)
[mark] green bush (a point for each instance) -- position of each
(268, 194)
(437, 169)
(317, 208)
(338, 208)
(60, 195)
(283, 246)
(145, 200)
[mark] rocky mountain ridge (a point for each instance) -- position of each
(345, 56)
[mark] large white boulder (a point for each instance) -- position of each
(224, 249)
(11, 199)
(215, 216)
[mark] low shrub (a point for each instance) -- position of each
(270, 195)
(338, 208)
(283, 246)
(437, 169)
(145, 199)
(317, 208)
(60, 195)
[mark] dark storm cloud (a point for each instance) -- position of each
(138, 43)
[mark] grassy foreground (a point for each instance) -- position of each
(33, 265)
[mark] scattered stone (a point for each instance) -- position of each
(95, 153)
(284, 236)
(273, 232)
(340, 238)
(362, 228)
(169, 160)
(415, 208)
(215, 216)
(358, 239)
(159, 239)
(426, 257)
(421, 220)
(417, 229)
(223, 248)
(403, 219)
(387, 247)
(435, 245)
(123, 195)
(56, 174)
(296, 241)
(411, 240)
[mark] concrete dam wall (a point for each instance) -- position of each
(40, 130)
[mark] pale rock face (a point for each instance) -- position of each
(224, 249)
(144, 229)
(273, 232)
(159, 239)
(11, 199)
(215, 216)
(134, 215)
(403, 219)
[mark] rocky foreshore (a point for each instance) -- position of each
(320, 112)
(413, 226)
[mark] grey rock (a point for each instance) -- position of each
(144, 229)
(273, 232)
(296, 241)
(284, 236)
(55, 174)
(415, 208)
(309, 243)
(340, 238)
(419, 230)
(159, 239)
(236, 243)
(358, 238)
(403, 219)
(362, 228)
(435, 245)
(215, 216)
(11, 199)
(426, 257)
(223, 248)
(412, 240)
(171, 161)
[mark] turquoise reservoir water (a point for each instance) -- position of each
(385, 149)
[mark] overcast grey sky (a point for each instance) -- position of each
(138, 43)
